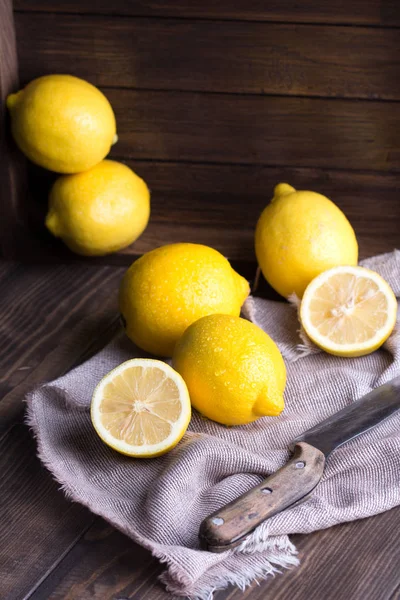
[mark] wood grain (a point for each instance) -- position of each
(32, 509)
(290, 485)
(24, 333)
(51, 317)
(364, 12)
(236, 126)
(106, 564)
(219, 205)
(209, 56)
(301, 132)
(12, 164)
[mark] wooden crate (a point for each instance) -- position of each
(216, 102)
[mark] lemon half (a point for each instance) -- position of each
(141, 408)
(348, 311)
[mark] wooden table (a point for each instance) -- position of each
(51, 318)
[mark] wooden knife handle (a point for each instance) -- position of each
(227, 527)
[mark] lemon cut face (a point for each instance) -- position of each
(348, 311)
(141, 408)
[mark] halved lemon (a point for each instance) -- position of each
(348, 311)
(141, 408)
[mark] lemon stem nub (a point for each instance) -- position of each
(268, 405)
(282, 189)
(53, 224)
(12, 100)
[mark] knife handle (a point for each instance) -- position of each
(228, 526)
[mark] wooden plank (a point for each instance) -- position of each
(38, 524)
(106, 564)
(52, 317)
(29, 335)
(349, 549)
(219, 205)
(12, 164)
(364, 12)
(301, 132)
(234, 57)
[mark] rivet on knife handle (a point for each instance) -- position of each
(292, 483)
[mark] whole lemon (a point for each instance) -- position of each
(100, 210)
(169, 288)
(233, 370)
(300, 235)
(62, 123)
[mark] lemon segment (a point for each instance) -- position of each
(348, 311)
(141, 408)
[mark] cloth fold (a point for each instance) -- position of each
(161, 502)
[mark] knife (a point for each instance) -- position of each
(295, 481)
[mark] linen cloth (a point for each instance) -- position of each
(161, 502)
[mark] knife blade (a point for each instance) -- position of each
(295, 481)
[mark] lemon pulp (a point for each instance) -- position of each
(141, 408)
(348, 311)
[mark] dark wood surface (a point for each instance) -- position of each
(212, 56)
(306, 132)
(361, 12)
(216, 97)
(270, 130)
(219, 205)
(12, 164)
(51, 318)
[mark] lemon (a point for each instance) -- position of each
(300, 235)
(234, 372)
(100, 210)
(141, 408)
(169, 288)
(348, 311)
(62, 123)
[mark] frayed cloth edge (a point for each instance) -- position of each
(173, 577)
(269, 566)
